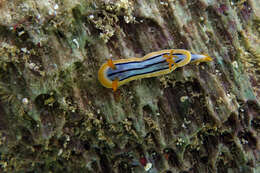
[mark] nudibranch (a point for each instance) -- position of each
(115, 73)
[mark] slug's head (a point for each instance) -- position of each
(103, 78)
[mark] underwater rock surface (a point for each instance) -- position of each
(56, 116)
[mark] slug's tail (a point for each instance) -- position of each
(207, 58)
(201, 58)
